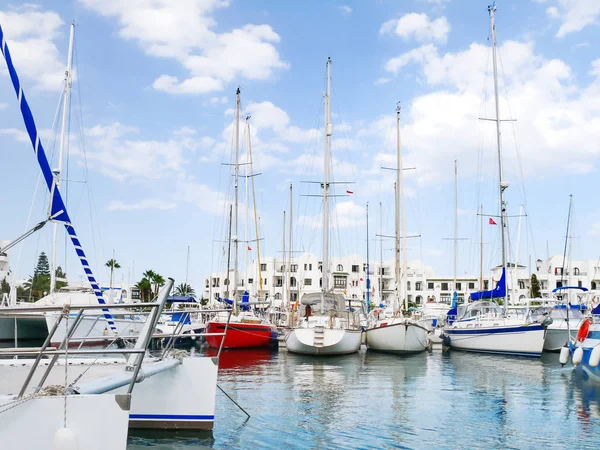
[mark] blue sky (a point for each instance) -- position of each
(153, 99)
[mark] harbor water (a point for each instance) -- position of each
(368, 400)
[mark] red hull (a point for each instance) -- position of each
(242, 335)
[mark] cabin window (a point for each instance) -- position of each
(444, 286)
(263, 267)
(308, 282)
(355, 268)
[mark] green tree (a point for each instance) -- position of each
(43, 266)
(535, 291)
(203, 301)
(185, 289)
(158, 281)
(60, 276)
(39, 283)
(4, 287)
(145, 289)
(112, 264)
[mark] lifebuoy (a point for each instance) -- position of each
(376, 313)
(583, 330)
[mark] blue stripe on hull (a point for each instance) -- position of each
(495, 330)
(499, 352)
(170, 417)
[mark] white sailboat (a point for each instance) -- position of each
(388, 330)
(332, 330)
(482, 326)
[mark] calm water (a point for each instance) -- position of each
(369, 400)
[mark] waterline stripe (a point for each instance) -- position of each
(169, 417)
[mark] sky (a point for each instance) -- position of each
(151, 127)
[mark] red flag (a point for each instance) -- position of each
(249, 248)
(361, 279)
(349, 192)
(491, 222)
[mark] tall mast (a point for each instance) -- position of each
(256, 221)
(236, 202)
(400, 222)
(290, 248)
(481, 249)
(283, 267)
(381, 252)
(502, 184)
(455, 219)
(368, 268)
(63, 138)
(328, 133)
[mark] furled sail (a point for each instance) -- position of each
(498, 292)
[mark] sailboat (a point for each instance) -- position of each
(388, 330)
(244, 328)
(482, 325)
(331, 330)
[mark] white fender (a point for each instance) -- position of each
(577, 356)
(595, 356)
(564, 355)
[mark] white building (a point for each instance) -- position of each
(349, 277)
(4, 262)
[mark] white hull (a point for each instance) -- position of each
(399, 336)
(334, 341)
(557, 335)
(93, 327)
(520, 340)
(98, 422)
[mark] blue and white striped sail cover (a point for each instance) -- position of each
(498, 292)
(58, 210)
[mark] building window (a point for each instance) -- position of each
(419, 299)
(250, 280)
(418, 286)
(277, 296)
(206, 283)
(282, 268)
(340, 268)
(558, 271)
(136, 294)
(458, 287)
(593, 285)
(444, 286)
(292, 282)
(355, 268)
(308, 282)
(559, 284)
(264, 282)
(226, 282)
(294, 268)
(320, 282)
(408, 285)
(430, 286)
(339, 282)
(305, 266)
(576, 271)
(263, 267)
(310, 266)
(364, 267)
(521, 284)
(320, 267)
(471, 285)
(579, 283)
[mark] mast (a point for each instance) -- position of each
(455, 220)
(283, 268)
(368, 277)
(502, 184)
(400, 219)
(63, 137)
(256, 221)
(481, 249)
(328, 133)
(236, 202)
(227, 292)
(290, 248)
(381, 252)
(568, 306)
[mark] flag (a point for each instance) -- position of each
(491, 222)
(361, 279)
(349, 192)
(249, 248)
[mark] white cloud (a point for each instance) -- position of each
(382, 80)
(345, 9)
(345, 214)
(574, 15)
(419, 27)
(148, 203)
(184, 31)
(558, 122)
(30, 33)
(201, 195)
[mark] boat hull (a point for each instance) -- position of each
(558, 337)
(335, 341)
(241, 335)
(518, 340)
(402, 337)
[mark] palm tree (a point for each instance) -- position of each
(158, 281)
(185, 290)
(145, 288)
(113, 264)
